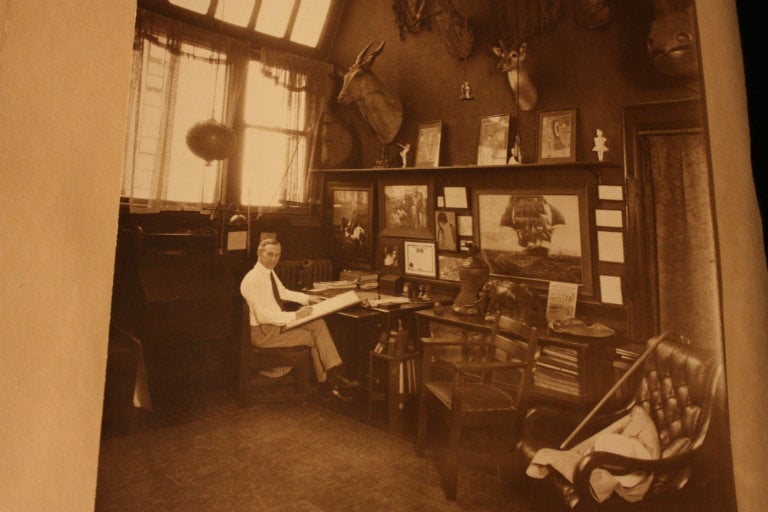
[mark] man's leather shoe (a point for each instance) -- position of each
(343, 382)
(341, 394)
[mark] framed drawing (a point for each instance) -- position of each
(428, 144)
(389, 257)
(464, 225)
(536, 235)
(494, 140)
(406, 207)
(448, 266)
(445, 230)
(420, 258)
(352, 223)
(557, 136)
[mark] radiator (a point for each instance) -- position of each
(300, 274)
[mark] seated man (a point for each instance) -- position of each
(265, 293)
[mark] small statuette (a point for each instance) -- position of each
(600, 148)
(466, 92)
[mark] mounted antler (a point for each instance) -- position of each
(513, 63)
(378, 104)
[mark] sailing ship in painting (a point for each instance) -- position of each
(532, 236)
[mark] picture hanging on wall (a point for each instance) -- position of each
(428, 144)
(494, 140)
(420, 258)
(445, 230)
(537, 235)
(557, 136)
(389, 258)
(448, 266)
(352, 223)
(406, 207)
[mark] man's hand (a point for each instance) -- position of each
(304, 311)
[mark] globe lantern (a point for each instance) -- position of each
(211, 140)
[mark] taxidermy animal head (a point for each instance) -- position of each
(512, 62)
(378, 104)
(672, 39)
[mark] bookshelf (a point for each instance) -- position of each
(392, 378)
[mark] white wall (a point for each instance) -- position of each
(64, 76)
(64, 68)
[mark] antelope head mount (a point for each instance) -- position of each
(378, 104)
(512, 62)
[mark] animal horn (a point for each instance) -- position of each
(374, 53)
(361, 55)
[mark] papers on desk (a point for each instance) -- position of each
(374, 303)
(326, 307)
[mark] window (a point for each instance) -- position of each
(298, 21)
(173, 88)
(274, 139)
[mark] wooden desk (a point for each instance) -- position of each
(583, 378)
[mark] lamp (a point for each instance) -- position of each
(211, 139)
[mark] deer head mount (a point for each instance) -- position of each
(512, 62)
(378, 104)
(672, 42)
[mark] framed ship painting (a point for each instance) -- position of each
(536, 235)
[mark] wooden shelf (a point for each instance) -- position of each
(587, 166)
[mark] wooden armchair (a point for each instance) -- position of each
(487, 387)
(676, 390)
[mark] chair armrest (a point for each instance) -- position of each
(486, 365)
(621, 465)
(437, 342)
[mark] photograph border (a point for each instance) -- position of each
(542, 117)
(432, 153)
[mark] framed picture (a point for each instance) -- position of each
(557, 136)
(389, 257)
(406, 207)
(428, 144)
(351, 223)
(420, 258)
(445, 230)
(494, 140)
(538, 235)
(455, 197)
(448, 266)
(464, 225)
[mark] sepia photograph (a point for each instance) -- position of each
(258, 258)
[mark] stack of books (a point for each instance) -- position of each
(557, 369)
(364, 279)
(334, 285)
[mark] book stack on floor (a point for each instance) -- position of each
(557, 369)
(364, 279)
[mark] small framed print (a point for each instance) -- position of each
(609, 218)
(445, 230)
(494, 140)
(456, 197)
(390, 255)
(557, 136)
(420, 258)
(428, 144)
(448, 266)
(465, 225)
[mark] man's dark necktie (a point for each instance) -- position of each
(275, 292)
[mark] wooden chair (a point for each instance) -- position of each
(487, 387)
(676, 388)
(254, 359)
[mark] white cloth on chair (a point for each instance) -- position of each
(634, 435)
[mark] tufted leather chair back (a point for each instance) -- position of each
(677, 389)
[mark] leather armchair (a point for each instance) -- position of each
(676, 388)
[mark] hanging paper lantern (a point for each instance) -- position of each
(211, 140)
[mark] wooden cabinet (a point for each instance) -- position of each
(569, 370)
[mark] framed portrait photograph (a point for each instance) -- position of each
(536, 235)
(406, 207)
(494, 140)
(557, 136)
(464, 224)
(448, 267)
(445, 230)
(420, 258)
(428, 144)
(351, 223)
(389, 256)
